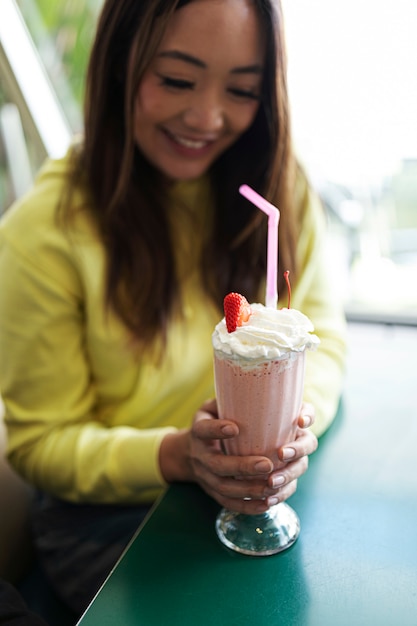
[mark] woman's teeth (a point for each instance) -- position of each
(190, 143)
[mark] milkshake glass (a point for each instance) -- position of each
(259, 379)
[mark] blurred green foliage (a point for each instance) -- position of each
(63, 32)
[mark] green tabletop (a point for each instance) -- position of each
(355, 561)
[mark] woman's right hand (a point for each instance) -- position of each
(239, 483)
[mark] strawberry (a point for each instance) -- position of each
(236, 311)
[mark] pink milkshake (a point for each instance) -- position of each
(264, 399)
(259, 364)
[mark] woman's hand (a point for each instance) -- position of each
(247, 484)
(295, 455)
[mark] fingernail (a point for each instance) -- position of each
(288, 453)
(263, 467)
(307, 421)
(228, 430)
(278, 480)
(272, 501)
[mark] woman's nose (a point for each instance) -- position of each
(205, 113)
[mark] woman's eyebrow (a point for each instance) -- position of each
(188, 58)
(182, 56)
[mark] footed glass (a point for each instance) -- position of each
(264, 398)
(259, 535)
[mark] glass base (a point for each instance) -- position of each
(259, 535)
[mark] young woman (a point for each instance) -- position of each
(113, 271)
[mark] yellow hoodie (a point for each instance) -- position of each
(86, 415)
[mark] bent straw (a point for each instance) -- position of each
(271, 295)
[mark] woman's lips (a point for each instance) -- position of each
(188, 146)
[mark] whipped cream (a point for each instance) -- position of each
(268, 334)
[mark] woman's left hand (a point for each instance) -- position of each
(283, 481)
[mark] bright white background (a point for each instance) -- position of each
(353, 84)
(353, 91)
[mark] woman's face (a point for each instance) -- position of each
(203, 87)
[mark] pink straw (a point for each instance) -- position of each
(271, 295)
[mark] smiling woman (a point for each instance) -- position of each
(195, 100)
(114, 268)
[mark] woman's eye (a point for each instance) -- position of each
(245, 94)
(175, 83)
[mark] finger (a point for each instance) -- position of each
(245, 504)
(207, 424)
(287, 474)
(253, 506)
(307, 415)
(206, 427)
(286, 492)
(210, 406)
(306, 443)
(237, 466)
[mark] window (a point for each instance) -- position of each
(353, 90)
(32, 122)
(63, 34)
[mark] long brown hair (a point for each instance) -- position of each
(128, 193)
